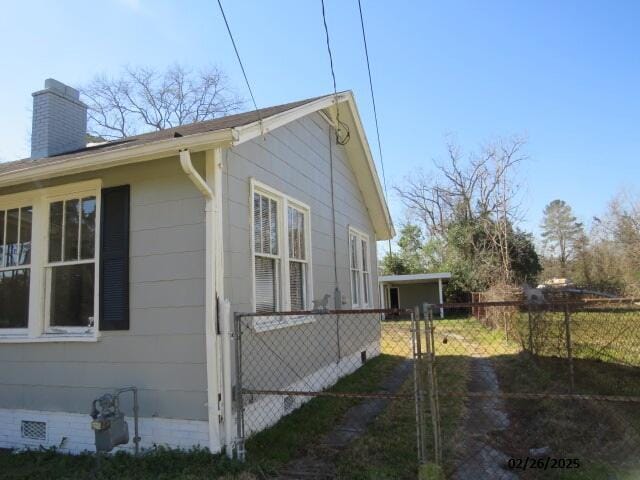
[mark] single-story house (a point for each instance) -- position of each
(116, 259)
(410, 291)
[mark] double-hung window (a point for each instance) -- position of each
(266, 253)
(70, 270)
(58, 281)
(281, 251)
(297, 259)
(15, 267)
(360, 271)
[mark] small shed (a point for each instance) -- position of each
(409, 291)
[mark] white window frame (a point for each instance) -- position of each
(38, 330)
(361, 257)
(49, 266)
(283, 201)
(18, 202)
(305, 262)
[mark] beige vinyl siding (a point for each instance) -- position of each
(294, 159)
(163, 353)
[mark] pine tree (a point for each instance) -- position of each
(561, 232)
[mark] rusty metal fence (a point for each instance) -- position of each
(547, 390)
(550, 390)
(351, 369)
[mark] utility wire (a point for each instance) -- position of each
(373, 99)
(244, 73)
(339, 124)
(375, 111)
(326, 32)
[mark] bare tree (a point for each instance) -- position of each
(479, 189)
(144, 99)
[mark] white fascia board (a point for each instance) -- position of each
(390, 230)
(259, 128)
(122, 156)
(384, 230)
(413, 278)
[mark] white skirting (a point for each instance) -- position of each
(71, 432)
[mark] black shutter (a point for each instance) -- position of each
(114, 259)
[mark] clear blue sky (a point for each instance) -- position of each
(566, 74)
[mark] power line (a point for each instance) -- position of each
(326, 32)
(373, 99)
(339, 124)
(375, 111)
(244, 73)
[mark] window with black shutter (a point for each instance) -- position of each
(114, 259)
(64, 261)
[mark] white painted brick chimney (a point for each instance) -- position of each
(59, 120)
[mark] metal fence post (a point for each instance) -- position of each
(567, 327)
(434, 401)
(530, 329)
(240, 452)
(417, 386)
(338, 349)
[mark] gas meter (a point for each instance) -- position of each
(108, 422)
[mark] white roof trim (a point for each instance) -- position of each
(414, 278)
(370, 187)
(97, 160)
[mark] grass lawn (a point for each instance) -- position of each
(160, 464)
(388, 449)
(605, 436)
(299, 431)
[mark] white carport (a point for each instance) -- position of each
(408, 291)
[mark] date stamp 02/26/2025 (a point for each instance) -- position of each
(542, 463)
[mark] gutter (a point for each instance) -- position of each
(99, 160)
(213, 293)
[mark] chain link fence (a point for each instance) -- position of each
(349, 377)
(547, 390)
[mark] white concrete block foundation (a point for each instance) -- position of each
(71, 432)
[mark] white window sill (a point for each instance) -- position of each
(49, 338)
(267, 323)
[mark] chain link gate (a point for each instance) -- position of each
(365, 367)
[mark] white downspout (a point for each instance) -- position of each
(210, 298)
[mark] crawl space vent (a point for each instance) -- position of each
(34, 430)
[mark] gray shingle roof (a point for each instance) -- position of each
(229, 121)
